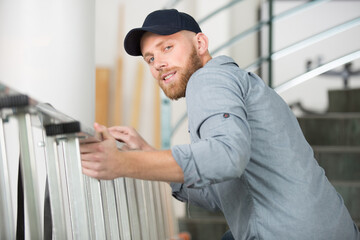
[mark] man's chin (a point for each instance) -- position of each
(174, 96)
(177, 98)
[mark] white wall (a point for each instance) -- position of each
(47, 52)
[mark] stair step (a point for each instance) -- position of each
(207, 220)
(350, 191)
(340, 163)
(336, 149)
(194, 211)
(344, 100)
(345, 184)
(204, 228)
(331, 129)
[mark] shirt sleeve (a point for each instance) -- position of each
(217, 117)
(202, 197)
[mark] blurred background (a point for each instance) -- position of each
(70, 53)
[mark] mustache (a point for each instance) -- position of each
(166, 70)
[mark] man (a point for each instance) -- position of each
(248, 156)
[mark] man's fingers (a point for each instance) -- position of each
(91, 173)
(88, 147)
(87, 169)
(118, 135)
(119, 129)
(102, 130)
(88, 157)
(90, 163)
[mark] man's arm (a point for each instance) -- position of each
(104, 161)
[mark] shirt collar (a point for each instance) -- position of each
(220, 60)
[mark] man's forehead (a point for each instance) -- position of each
(156, 39)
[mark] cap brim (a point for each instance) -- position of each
(133, 38)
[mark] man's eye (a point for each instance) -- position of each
(168, 48)
(150, 60)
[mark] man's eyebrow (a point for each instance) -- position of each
(147, 54)
(157, 45)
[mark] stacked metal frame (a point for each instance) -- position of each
(81, 207)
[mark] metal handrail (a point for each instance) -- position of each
(171, 4)
(261, 24)
(220, 9)
(317, 71)
(240, 36)
(305, 42)
(316, 38)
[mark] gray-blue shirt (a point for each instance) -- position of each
(248, 158)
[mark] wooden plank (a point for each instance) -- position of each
(136, 106)
(117, 111)
(157, 117)
(102, 95)
(116, 118)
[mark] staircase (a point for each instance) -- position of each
(203, 224)
(335, 138)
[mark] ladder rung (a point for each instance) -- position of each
(12, 101)
(62, 128)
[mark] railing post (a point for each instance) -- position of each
(165, 122)
(270, 65)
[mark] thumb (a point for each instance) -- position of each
(102, 130)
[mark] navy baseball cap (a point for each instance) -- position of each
(162, 22)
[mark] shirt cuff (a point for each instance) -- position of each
(176, 191)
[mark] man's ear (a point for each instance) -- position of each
(202, 43)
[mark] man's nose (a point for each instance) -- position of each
(160, 63)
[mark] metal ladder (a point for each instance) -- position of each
(81, 207)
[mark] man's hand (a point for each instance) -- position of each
(131, 138)
(100, 160)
